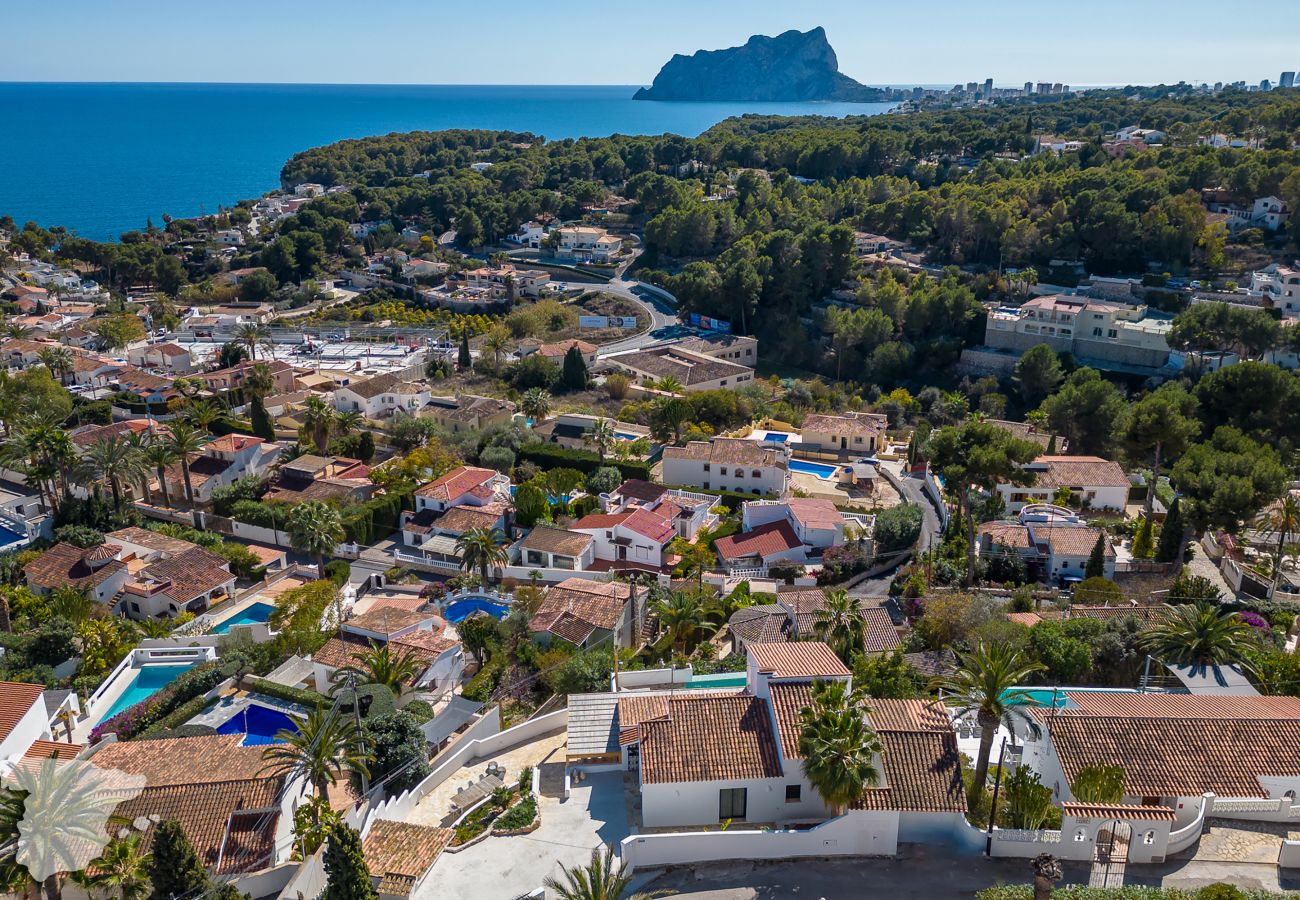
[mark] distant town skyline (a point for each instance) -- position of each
(329, 41)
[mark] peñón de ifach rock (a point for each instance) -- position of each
(794, 66)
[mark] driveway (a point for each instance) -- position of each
(503, 868)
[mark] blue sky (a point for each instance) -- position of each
(438, 42)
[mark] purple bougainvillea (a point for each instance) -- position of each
(1255, 620)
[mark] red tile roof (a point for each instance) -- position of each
(64, 564)
(647, 523)
(233, 443)
(802, 659)
(764, 541)
(1119, 811)
(16, 698)
(456, 483)
(813, 513)
(1078, 472)
(717, 738)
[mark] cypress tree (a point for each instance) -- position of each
(174, 867)
(574, 374)
(345, 867)
(1143, 541)
(1171, 534)
(366, 447)
(261, 421)
(1051, 446)
(1096, 567)
(463, 360)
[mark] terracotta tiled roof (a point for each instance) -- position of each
(560, 349)
(764, 541)
(16, 698)
(853, 423)
(1075, 540)
(565, 625)
(386, 620)
(932, 663)
(426, 645)
(384, 384)
(813, 513)
(709, 739)
(1119, 811)
(594, 603)
(1077, 472)
(643, 491)
(192, 573)
(1028, 619)
(1006, 534)
(647, 523)
(151, 540)
(170, 761)
(456, 483)
(637, 707)
(460, 519)
(788, 699)
(233, 443)
(341, 650)
(882, 636)
(1027, 432)
(764, 624)
(1147, 614)
(888, 714)
(734, 451)
(802, 659)
(54, 749)
(922, 773)
(546, 539)
(399, 854)
(1179, 745)
(231, 824)
(64, 564)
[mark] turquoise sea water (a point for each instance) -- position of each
(102, 158)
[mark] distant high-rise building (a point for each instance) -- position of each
(1044, 87)
(1029, 88)
(1065, 89)
(988, 87)
(1266, 85)
(1218, 86)
(1056, 88)
(1287, 80)
(971, 87)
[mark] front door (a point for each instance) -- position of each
(732, 803)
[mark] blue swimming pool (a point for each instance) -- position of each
(148, 681)
(257, 614)
(625, 436)
(1040, 697)
(8, 537)
(462, 609)
(821, 470)
(775, 437)
(258, 724)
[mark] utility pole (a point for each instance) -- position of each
(356, 717)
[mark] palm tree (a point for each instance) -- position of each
(347, 422)
(1282, 520)
(185, 440)
(121, 870)
(496, 342)
(202, 413)
(115, 460)
(251, 336)
(841, 624)
(382, 665)
(983, 684)
(602, 437)
(683, 615)
(482, 549)
(59, 361)
(258, 381)
(324, 747)
(536, 404)
(1047, 871)
(598, 880)
(43, 452)
(160, 454)
(318, 418)
(669, 385)
(1200, 634)
(838, 746)
(315, 528)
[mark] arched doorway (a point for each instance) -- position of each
(1110, 854)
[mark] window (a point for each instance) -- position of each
(757, 474)
(705, 485)
(1112, 334)
(1096, 332)
(135, 607)
(722, 471)
(740, 473)
(793, 793)
(706, 467)
(1149, 837)
(731, 803)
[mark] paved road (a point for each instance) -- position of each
(931, 530)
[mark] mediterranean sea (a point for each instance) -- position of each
(100, 159)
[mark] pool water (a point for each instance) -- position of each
(258, 724)
(9, 536)
(623, 435)
(462, 609)
(717, 680)
(776, 437)
(257, 614)
(148, 681)
(821, 470)
(1044, 697)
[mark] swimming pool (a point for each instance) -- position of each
(1041, 697)
(821, 470)
(258, 724)
(257, 614)
(625, 436)
(716, 680)
(8, 537)
(775, 437)
(464, 608)
(148, 681)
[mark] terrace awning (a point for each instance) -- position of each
(458, 712)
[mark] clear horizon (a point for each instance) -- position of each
(1112, 42)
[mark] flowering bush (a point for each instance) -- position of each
(1255, 620)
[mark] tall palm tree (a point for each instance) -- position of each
(381, 664)
(683, 615)
(841, 624)
(202, 413)
(112, 459)
(983, 684)
(121, 870)
(1283, 521)
(315, 528)
(160, 454)
(1200, 634)
(496, 342)
(324, 747)
(838, 746)
(347, 422)
(258, 381)
(318, 418)
(185, 440)
(59, 361)
(42, 451)
(482, 549)
(602, 437)
(598, 880)
(252, 337)
(536, 404)
(139, 443)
